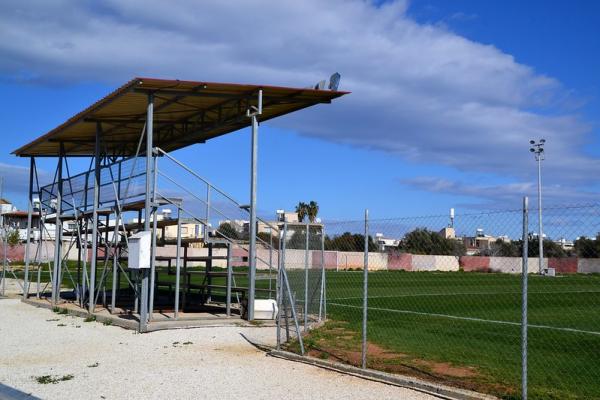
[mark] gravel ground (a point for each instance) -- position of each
(108, 362)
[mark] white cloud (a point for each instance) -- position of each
(15, 182)
(503, 196)
(419, 91)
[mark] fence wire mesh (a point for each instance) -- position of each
(445, 299)
(301, 278)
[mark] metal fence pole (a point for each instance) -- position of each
(365, 292)
(252, 229)
(4, 262)
(279, 291)
(524, 273)
(178, 262)
(322, 297)
(229, 280)
(306, 278)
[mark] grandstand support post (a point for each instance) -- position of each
(178, 262)
(28, 236)
(322, 294)
(524, 289)
(147, 209)
(252, 112)
(57, 231)
(153, 245)
(95, 201)
(365, 292)
(306, 278)
(83, 224)
(113, 297)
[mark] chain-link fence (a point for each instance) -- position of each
(301, 280)
(447, 301)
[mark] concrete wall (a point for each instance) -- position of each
(344, 260)
(588, 265)
(400, 261)
(434, 263)
(474, 263)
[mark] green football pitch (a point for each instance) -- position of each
(472, 323)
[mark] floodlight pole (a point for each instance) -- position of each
(538, 149)
(252, 113)
(541, 231)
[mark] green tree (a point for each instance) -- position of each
(551, 249)
(588, 248)
(312, 210)
(502, 248)
(12, 237)
(228, 231)
(349, 242)
(302, 211)
(424, 241)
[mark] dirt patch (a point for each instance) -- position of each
(448, 370)
(339, 343)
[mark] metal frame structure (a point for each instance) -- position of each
(111, 132)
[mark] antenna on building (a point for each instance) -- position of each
(452, 218)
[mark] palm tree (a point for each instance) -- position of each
(312, 209)
(302, 211)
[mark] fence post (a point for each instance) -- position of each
(524, 273)
(322, 296)
(306, 278)
(365, 291)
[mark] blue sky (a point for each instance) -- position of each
(445, 95)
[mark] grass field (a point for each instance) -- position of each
(464, 329)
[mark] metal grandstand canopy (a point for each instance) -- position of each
(185, 112)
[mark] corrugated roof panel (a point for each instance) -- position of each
(185, 112)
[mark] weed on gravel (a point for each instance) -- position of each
(47, 379)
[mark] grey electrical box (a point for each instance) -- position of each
(139, 250)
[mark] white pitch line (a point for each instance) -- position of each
(462, 294)
(469, 319)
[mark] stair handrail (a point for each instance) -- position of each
(182, 165)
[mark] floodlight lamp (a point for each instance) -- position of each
(542, 141)
(532, 149)
(334, 81)
(532, 142)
